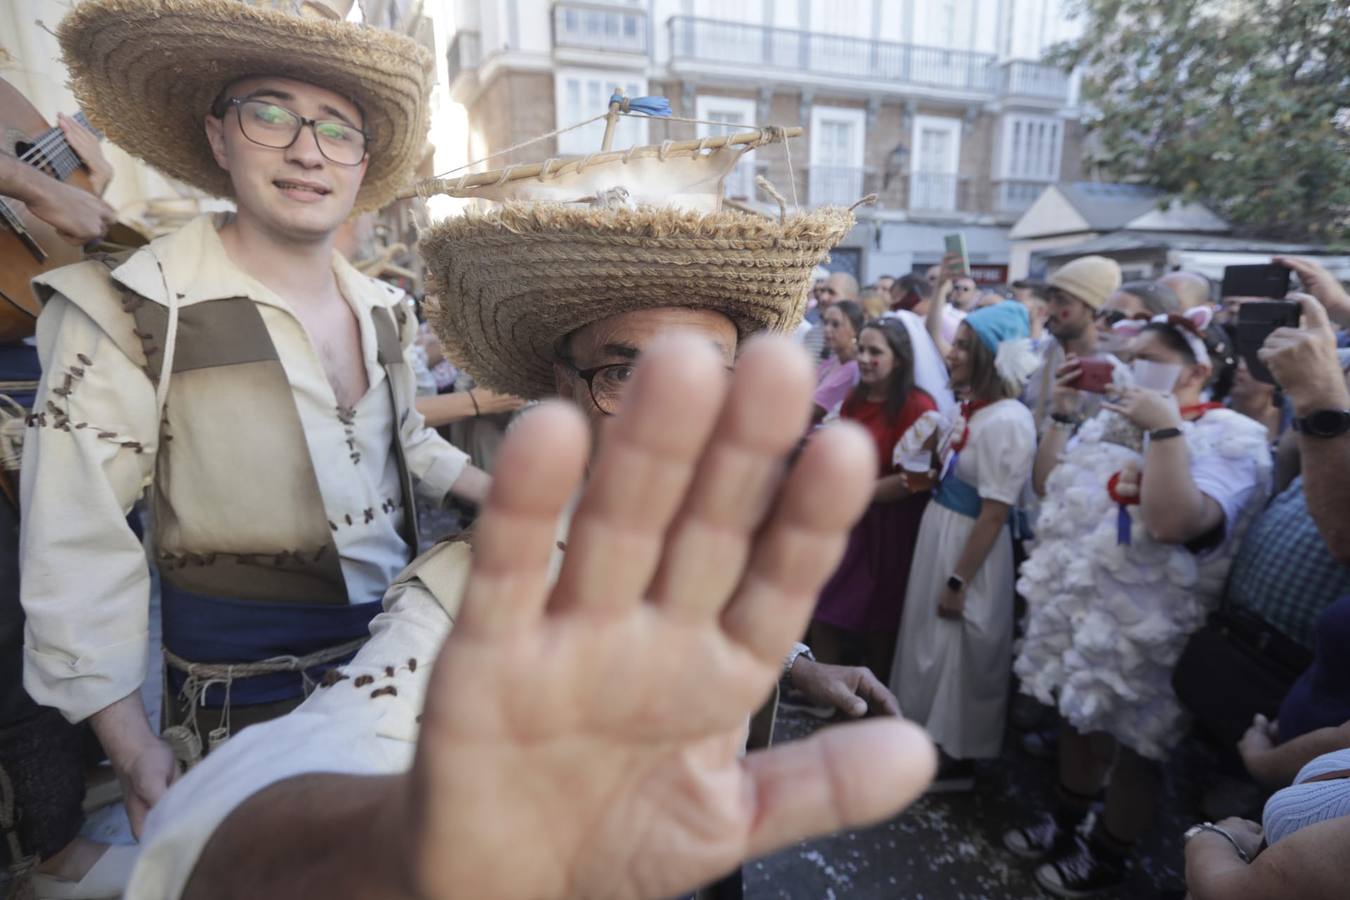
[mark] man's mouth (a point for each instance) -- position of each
(313, 187)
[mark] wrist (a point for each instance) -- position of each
(123, 730)
(1318, 397)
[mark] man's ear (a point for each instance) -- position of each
(215, 136)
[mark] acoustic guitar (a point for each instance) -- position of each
(28, 245)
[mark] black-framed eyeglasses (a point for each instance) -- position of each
(269, 125)
(607, 383)
(1110, 317)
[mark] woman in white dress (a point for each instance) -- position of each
(955, 648)
(1144, 505)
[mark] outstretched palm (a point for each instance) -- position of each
(584, 736)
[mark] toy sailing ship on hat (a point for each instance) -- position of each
(571, 242)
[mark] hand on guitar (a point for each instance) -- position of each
(78, 216)
(85, 144)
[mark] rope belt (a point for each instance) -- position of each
(186, 740)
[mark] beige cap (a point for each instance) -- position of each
(1089, 278)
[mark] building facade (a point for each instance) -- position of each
(941, 109)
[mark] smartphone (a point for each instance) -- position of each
(956, 246)
(1094, 375)
(1256, 320)
(1256, 281)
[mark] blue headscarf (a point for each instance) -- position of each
(1006, 321)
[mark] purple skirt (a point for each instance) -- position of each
(867, 591)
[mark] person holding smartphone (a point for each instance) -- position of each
(1142, 511)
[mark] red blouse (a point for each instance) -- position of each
(871, 416)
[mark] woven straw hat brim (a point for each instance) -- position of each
(511, 283)
(147, 71)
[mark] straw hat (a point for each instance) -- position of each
(147, 71)
(514, 281)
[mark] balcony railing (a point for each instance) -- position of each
(1017, 196)
(756, 46)
(596, 26)
(464, 53)
(941, 192)
(1029, 79)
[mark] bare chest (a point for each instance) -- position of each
(335, 336)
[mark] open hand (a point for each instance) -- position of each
(584, 736)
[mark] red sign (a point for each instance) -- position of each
(989, 275)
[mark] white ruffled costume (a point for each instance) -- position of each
(1106, 621)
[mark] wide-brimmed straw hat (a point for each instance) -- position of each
(146, 72)
(511, 283)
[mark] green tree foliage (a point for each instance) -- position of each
(1243, 104)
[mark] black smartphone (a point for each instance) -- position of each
(1256, 281)
(1256, 320)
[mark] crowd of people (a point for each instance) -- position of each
(1079, 508)
(1132, 482)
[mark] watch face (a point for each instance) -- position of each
(1327, 423)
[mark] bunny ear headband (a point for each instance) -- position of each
(1190, 325)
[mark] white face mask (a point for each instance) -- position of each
(1155, 376)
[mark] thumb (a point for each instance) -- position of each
(845, 698)
(1314, 315)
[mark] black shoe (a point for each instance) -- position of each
(954, 776)
(1041, 744)
(1081, 872)
(1043, 839)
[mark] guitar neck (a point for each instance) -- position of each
(53, 154)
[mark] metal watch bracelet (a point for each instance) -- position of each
(1210, 826)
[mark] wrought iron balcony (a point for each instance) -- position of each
(1016, 196)
(1029, 79)
(464, 54)
(759, 47)
(600, 26)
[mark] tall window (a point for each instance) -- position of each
(836, 172)
(738, 114)
(937, 155)
(581, 94)
(1031, 148)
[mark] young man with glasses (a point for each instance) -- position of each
(240, 369)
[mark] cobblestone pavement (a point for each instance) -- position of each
(949, 846)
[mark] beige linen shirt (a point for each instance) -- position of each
(86, 582)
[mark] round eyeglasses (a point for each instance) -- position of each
(606, 384)
(268, 125)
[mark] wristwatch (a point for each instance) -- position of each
(1163, 434)
(956, 584)
(1210, 826)
(1324, 423)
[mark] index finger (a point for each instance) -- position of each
(1314, 314)
(878, 696)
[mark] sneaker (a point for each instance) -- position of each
(1080, 873)
(1044, 838)
(954, 776)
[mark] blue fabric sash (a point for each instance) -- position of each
(958, 495)
(207, 629)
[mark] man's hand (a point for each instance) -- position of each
(1321, 284)
(78, 216)
(85, 144)
(1255, 744)
(490, 402)
(1304, 362)
(1066, 399)
(1248, 834)
(581, 738)
(1150, 410)
(853, 690)
(144, 764)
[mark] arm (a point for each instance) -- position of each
(1305, 363)
(1048, 454)
(442, 409)
(1174, 510)
(890, 488)
(1276, 766)
(86, 585)
(988, 527)
(78, 216)
(937, 304)
(1322, 285)
(1310, 864)
(1065, 400)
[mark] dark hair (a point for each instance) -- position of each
(985, 382)
(913, 284)
(901, 381)
(853, 312)
(1158, 299)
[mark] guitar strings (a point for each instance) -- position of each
(52, 137)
